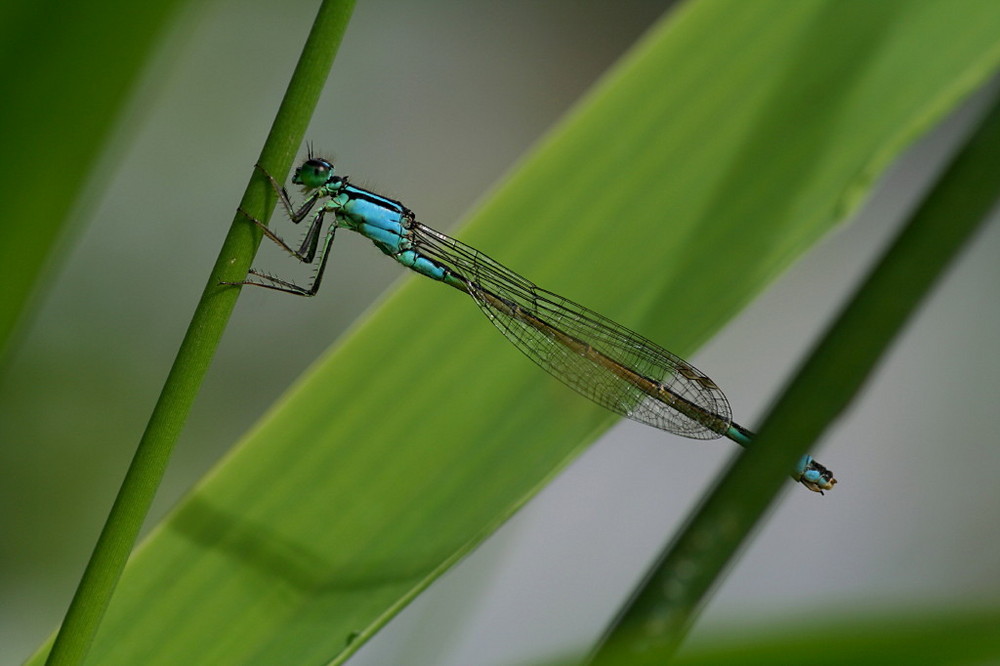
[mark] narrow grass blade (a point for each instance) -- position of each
(662, 610)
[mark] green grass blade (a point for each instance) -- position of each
(726, 143)
(135, 496)
(658, 617)
(65, 84)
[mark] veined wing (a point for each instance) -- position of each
(597, 357)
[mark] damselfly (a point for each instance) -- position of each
(599, 358)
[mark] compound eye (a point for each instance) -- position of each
(314, 173)
(320, 167)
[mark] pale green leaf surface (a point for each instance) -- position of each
(732, 138)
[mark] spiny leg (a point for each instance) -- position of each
(277, 284)
(295, 216)
(307, 251)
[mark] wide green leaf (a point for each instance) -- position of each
(718, 151)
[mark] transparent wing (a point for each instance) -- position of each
(595, 356)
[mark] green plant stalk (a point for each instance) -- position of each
(194, 356)
(661, 611)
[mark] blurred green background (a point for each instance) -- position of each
(431, 104)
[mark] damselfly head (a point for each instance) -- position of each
(314, 172)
